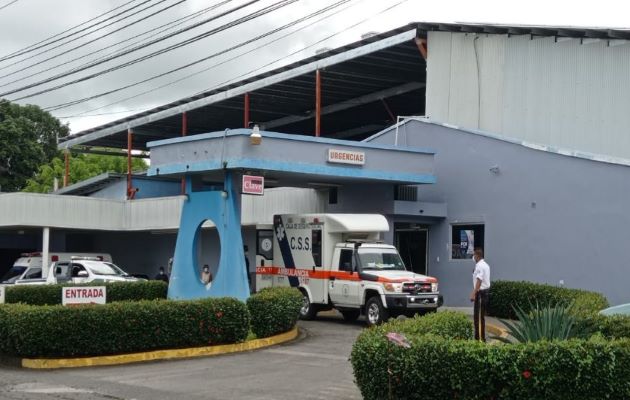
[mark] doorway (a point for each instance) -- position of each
(412, 243)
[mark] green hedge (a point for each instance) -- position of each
(447, 324)
(274, 310)
(439, 368)
(116, 291)
(610, 327)
(504, 294)
(120, 327)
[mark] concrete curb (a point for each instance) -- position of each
(496, 330)
(54, 363)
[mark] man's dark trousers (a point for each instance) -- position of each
(479, 311)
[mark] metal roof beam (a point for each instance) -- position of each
(368, 98)
(359, 130)
(245, 88)
(619, 33)
(89, 150)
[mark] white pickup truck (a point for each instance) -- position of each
(81, 270)
(29, 265)
(337, 261)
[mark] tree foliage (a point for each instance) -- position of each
(28, 139)
(82, 166)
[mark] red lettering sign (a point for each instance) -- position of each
(253, 185)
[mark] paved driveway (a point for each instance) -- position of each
(315, 366)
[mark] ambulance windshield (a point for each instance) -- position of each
(380, 259)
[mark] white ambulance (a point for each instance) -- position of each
(338, 261)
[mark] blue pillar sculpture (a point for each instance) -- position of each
(223, 208)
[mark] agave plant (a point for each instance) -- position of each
(548, 322)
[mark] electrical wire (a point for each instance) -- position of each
(87, 34)
(224, 51)
(253, 71)
(262, 67)
(247, 18)
(168, 26)
(7, 5)
(24, 50)
(139, 47)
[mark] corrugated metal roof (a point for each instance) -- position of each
(386, 66)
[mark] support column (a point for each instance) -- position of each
(130, 192)
(45, 252)
(66, 175)
(223, 208)
(184, 133)
(246, 111)
(318, 103)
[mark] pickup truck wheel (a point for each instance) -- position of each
(351, 315)
(375, 313)
(308, 311)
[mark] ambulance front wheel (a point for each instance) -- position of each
(375, 313)
(308, 310)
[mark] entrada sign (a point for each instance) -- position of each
(346, 157)
(253, 185)
(83, 295)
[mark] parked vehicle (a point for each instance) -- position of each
(29, 265)
(337, 261)
(81, 270)
(622, 309)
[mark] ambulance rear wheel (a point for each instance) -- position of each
(350, 315)
(375, 313)
(308, 311)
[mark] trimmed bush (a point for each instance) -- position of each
(504, 295)
(446, 324)
(274, 310)
(40, 295)
(438, 368)
(120, 327)
(608, 326)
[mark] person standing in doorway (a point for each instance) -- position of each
(161, 276)
(206, 275)
(480, 293)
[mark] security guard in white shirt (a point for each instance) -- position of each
(480, 293)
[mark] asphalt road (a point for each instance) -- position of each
(315, 366)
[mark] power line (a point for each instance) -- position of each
(21, 51)
(87, 34)
(247, 18)
(168, 26)
(133, 49)
(302, 49)
(253, 71)
(7, 5)
(224, 51)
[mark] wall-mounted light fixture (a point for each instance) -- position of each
(255, 137)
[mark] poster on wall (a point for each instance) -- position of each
(466, 243)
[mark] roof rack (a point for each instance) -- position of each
(34, 254)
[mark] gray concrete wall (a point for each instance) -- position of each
(147, 188)
(548, 217)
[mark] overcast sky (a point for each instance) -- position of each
(26, 22)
